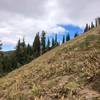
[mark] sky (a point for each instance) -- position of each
(24, 18)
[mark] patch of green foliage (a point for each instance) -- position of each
(72, 85)
(36, 90)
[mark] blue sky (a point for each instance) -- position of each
(69, 29)
(72, 29)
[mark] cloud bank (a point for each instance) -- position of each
(20, 18)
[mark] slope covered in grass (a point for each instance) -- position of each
(68, 72)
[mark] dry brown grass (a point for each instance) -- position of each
(68, 72)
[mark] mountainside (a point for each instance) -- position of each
(68, 72)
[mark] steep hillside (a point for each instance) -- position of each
(68, 72)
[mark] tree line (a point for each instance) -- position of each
(24, 53)
(89, 27)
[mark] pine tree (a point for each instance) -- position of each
(36, 46)
(23, 43)
(92, 25)
(63, 41)
(13, 61)
(48, 44)
(96, 23)
(18, 51)
(75, 35)
(67, 37)
(29, 53)
(56, 42)
(0, 45)
(43, 42)
(29, 50)
(24, 52)
(18, 46)
(53, 43)
(86, 28)
(6, 64)
(56, 39)
(21, 52)
(89, 27)
(1, 65)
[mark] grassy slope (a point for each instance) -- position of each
(69, 71)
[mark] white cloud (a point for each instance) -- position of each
(56, 29)
(10, 41)
(20, 18)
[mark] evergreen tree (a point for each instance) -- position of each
(23, 43)
(18, 51)
(48, 44)
(56, 42)
(89, 27)
(75, 35)
(6, 64)
(29, 53)
(1, 66)
(56, 39)
(36, 46)
(96, 23)
(63, 41)
(0, 45)
(67, 37)
(53, 43)
(13, 61)
(43, 42)
(21, 52)
(86, 28)
(18, 47)
(29, 50)
(92, 25)
(24, 52)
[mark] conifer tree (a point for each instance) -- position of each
(6, 64)
(63, 41)
(43, 42)
(21, 52)
(24, 52)
(86, 28)
(56, 39)
(92, 25)
(56, 42)
(36, 46)
(67, 37)
(23, 43)
(13, 61)
(0, 45)
(18, 50)
(29, 50)
(75, 35)
(89, 27)
(53, 43)
(48, 44)
(1, 66)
